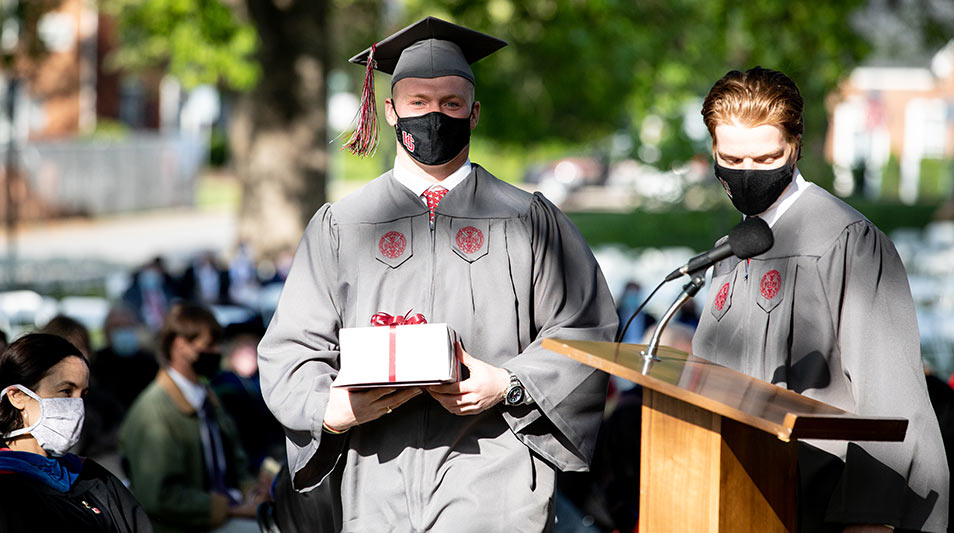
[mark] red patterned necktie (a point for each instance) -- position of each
(434, 195)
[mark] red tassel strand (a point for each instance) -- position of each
(364, 139)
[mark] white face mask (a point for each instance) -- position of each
(60, 423)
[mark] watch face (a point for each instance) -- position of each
(515, 395)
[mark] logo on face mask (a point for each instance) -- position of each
(728, 190)
(434, 138)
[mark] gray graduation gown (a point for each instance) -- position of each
(827, 312)
(505, 269)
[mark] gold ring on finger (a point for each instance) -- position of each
(389, 410)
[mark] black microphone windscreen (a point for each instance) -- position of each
(751, 237)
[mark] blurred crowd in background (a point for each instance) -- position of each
(119, 339)
(118, 333)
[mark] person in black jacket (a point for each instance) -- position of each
(44, 379)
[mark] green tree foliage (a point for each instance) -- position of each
(577, 71)
(580, 70)
(217, 42)
(198, 41)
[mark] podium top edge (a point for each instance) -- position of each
(729, 393)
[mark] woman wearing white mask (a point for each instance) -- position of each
(44, 488)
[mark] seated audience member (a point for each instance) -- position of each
(629, 301)
(150, 293)
(103, 410)
(240, 392)
(184, 459)
(44, 488)
(205, 281)
(71, 330)
(125, 366)
(244, 285)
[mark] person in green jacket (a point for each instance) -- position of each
(181, 449)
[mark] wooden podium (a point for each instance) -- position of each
(718, 447)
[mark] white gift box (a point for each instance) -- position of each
(388, 356)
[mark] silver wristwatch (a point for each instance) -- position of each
(516, 393)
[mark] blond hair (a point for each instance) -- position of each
(756, 97)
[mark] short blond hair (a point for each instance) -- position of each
(756, 97)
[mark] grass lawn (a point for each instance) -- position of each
(700, 229)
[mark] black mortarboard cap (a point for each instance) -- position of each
(429, 48)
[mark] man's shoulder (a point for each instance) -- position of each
(837, 213)
(814, 223)
(382, 198)
(483, 195)
(358, 197)
(510, 196)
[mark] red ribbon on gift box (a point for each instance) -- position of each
(384, 319)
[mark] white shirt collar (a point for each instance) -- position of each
(785, 201)
(194, 393)
(417, 184)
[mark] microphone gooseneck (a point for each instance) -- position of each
(688, 291)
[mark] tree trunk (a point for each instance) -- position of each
(279, 131)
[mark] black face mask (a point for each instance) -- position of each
(207, 365)
(754, 191)
(434, 138)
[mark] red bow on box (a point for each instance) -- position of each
(384, 319)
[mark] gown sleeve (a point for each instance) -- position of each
(298, 354)
(570, 301)
(900, 484)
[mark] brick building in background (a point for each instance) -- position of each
(892, 130)
(70, 88)
(89, 139)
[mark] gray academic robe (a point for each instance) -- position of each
(827, 313)
(505, 269)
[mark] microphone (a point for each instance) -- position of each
(749, 238)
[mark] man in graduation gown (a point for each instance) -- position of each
(441, 236)
(826, 312)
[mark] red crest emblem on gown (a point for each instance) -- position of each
(392, 244)
(771, 283)
(470, 239)
(721, 297)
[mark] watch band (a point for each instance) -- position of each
(516, 393)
